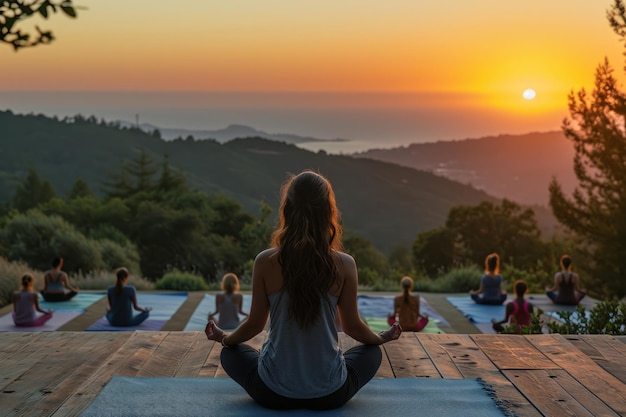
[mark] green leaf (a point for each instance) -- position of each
(69, 10)
(43, 10)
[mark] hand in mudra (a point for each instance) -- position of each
(391, 333)
(213, 332)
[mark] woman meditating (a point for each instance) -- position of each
(566, 289)
(407, 309)
(57, 284)
(122, 300)
(517, 312)
(229, 304)
(304, 283)
(490, 290)
(26, 305)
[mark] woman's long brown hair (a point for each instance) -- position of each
(306, 238)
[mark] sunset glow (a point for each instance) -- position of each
(479, 54)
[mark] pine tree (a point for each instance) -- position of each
(596, 211)
(32, 191)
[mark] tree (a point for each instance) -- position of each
(507, 229)
(143, 169)
(596, 211)
(80, 188)
(434, 251)
(32, 192)
(13, 12)
(170, 180)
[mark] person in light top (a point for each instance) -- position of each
(229, 304)
(305, 284)
(26, 305)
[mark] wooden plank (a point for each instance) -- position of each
(555, 393)
(472, 362)
(41, 377)
(440, 357)
(179, 320)
(408, 359)
(126, 361)
(512, 352)
(92, 351)
(164, 360)
(36, 346)
(191, 364)
(611, 353)
(604, 385)
(212, 362)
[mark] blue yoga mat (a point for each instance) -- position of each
(379, 306)
(479, 314)
(80, 302)
(222, 397)
(199, 318)
(163, 308)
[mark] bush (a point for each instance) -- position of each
(461, 279)
(181, 281)
(115, 255)
(606, 317)
(36, 239)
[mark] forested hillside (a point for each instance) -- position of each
(385, 203)
(517, 167)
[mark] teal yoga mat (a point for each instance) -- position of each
(80, 302)
(124, 396)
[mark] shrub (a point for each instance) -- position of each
(461, 279)
(36, 239)
(606, 317)
(115, 255)
(181, 281)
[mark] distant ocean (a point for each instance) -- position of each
(366, 120)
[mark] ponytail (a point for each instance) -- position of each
(407, 286)
(27, 280)
(122, 273)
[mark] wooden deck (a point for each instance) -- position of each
(59, 373)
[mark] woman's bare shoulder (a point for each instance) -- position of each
(266, 254)
(345, 258)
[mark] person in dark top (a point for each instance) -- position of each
(57, 284)
(122, 299)
(566, 289)
(518, 311)
(305, 284)
(490, 291)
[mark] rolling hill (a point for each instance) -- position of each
(517, 167)
(386, 203)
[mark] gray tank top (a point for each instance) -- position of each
(229, 313)
(298, 363)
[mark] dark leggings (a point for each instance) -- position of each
(58, 296)
(135, 321)
(479, 299)
(241, 363)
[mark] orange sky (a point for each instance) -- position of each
(485, 50)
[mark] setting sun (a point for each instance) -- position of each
(529, 94)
